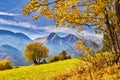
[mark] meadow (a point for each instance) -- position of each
(38, 72)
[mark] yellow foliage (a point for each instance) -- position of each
(35, 17)
(81, 47)
(5, 64)
(104, 14)
(35, 50)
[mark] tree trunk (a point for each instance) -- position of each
(110, 35)
(117, 7)
(114, 36)
(35, 62)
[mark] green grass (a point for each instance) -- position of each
(38, 72)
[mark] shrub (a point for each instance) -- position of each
(63, 55)
(54, 58)
(5, 64)
(68, 57)
(101, 60)
(99, 66)
(17, 67)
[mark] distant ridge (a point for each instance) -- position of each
(17, 40)
(11, 53)
(6, 32)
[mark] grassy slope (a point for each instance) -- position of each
(39, 72)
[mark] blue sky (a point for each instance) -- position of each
(12, 19)
(14, 8)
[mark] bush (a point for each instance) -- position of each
(54, 58)
(101, 60)
(17, 67)
(68, 57)
(63, 55)
(5, 64)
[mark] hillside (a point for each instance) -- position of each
(39, 72)
(13, 54)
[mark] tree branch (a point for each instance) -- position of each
(50, 3)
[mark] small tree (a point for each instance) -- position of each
(5, 64)
(36, 52)
(63, 55)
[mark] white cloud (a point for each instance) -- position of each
(8, 14)
(84, 34)
(90, 34)
(22, 24)
(52, 28)
(71, 31)
(60, 29)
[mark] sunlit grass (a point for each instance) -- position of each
(38, 72)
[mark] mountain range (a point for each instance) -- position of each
(12, 45)
(56, 43)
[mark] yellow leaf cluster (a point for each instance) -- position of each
(35, 50)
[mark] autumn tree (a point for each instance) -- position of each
(102, 15)
(36, 52)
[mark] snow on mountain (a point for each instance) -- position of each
(42, 39)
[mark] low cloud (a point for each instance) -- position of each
(22, 24)
(8, 14)
(84, 34)
(70, 31)
(53, 28)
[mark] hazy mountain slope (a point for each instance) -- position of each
(10, 53)
(17, 40)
